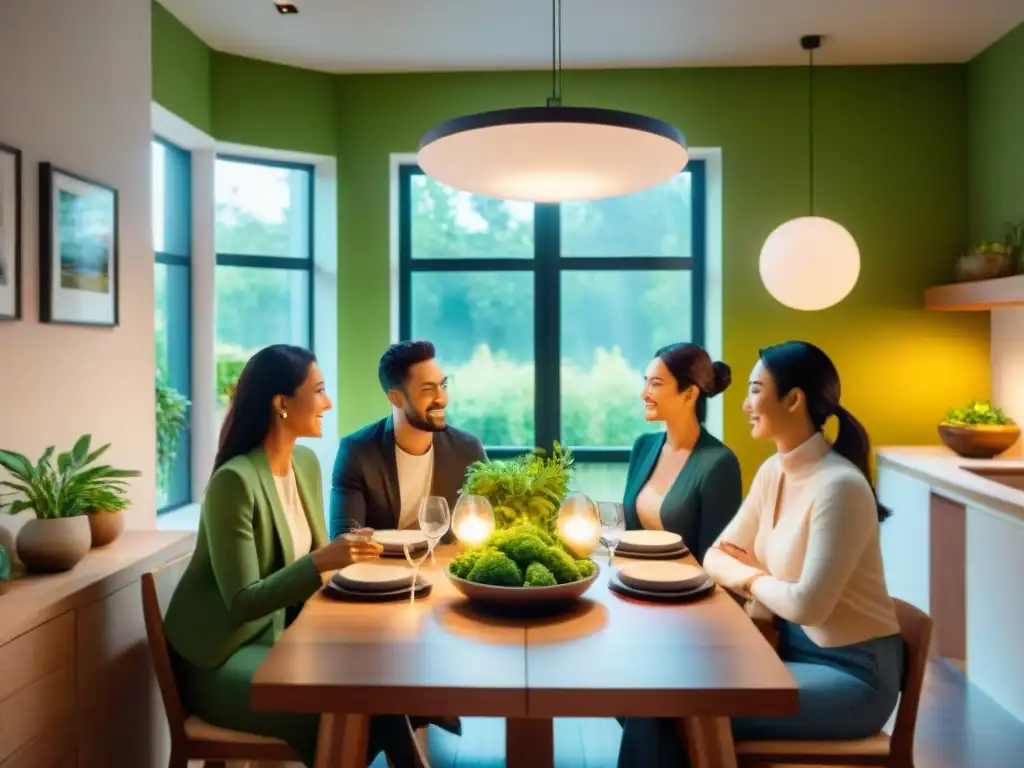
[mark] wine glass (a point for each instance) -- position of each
(472, 520)
(579, 524)
(415, 562)
(435, 520)
(613, 525)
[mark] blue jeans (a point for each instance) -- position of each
(844, 693)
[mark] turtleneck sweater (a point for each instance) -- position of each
(821, 552)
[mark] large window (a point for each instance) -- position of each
(545, 316)
(172, 238)
(264, 278)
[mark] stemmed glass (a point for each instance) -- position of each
(435, 520)
(613, 525)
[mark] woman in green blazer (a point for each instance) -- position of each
(260, 550)
(683, 479)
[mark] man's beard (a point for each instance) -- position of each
(423, 424)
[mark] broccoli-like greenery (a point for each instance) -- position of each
(463, 564)
(496, 568)
(525, 549)
(519, 557)
(538, 576)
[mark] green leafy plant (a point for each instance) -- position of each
(526, 489)
(1002, 249)
(171, 417)
(525, 550)
(70, 487)
(977, 413)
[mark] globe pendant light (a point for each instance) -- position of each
(811, 262)
(553, 153)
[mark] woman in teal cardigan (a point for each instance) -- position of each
(260, 550)
(683, 479)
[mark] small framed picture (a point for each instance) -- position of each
(78, 249)
(10, 233)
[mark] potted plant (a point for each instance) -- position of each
(171, 418)
(979, 431)
(985, 262)
(60, 494)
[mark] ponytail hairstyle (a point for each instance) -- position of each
(691, 365)
(279, 369)
(801, 365)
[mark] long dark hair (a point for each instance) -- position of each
(690, 365)
(276, 370)
(801, 365)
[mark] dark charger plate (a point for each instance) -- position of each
(336, 591)
(682, 596)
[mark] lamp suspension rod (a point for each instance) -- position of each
(555, 100)
(810, 43)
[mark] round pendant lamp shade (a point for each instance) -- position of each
(810, 263)
(553, 154)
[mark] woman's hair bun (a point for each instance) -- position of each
(723, 378)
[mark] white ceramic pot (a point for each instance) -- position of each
(54, 544)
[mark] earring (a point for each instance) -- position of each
(283, 414)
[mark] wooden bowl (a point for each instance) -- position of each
(980, 441)
(523, 597)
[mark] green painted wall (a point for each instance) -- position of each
(182, 74)
(891, 165)
(996, 137)
(269, 105)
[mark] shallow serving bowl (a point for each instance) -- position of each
(522, 596)
(979, 442)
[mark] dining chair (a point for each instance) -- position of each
(191, 737)
(880, 750)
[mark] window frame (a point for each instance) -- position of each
(547, 266)
(306, 264)
(179, 200)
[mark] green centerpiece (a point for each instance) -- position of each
(525, 549)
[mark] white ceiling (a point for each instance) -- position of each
(405, 35)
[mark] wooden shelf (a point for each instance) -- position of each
(977, 296)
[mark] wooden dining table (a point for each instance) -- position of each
(605, 656)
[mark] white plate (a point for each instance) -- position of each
(661, 575)
(394, 539)
(645, 540)
(374, 577)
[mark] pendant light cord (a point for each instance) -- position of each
(810, 123)
(555, 100)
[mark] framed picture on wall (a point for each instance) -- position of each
(10, 233)
(78, 249)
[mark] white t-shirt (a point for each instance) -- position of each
(822, 556)
(415, 475)
(298, 525)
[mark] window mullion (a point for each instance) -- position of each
(546, 330)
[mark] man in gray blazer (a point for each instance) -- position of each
(383, 470)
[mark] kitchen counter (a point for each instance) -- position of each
(952, 548)
(943, 470)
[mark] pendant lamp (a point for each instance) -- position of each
(810, 263)
(553, 153)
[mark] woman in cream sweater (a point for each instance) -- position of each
(805, 546)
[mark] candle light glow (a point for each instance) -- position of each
(474, 529)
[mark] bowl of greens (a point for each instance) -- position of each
(524, 561)
(979, 431)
